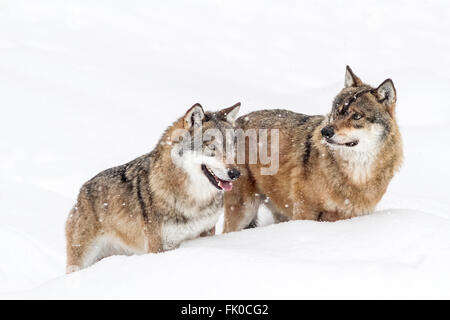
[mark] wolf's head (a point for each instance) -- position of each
(206, 149)
(361, 116)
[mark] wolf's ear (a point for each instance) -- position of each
(194, 116)
(386, 93)
(230, 114)
(351, 80)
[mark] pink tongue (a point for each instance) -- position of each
(226, 185)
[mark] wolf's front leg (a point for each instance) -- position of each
(241, 204)
(154, 238)
(304, 212)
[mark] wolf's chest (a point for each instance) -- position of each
(173, 232)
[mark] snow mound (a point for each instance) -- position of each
(395, 253)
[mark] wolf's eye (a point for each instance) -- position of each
(356, 116)
(211, 147)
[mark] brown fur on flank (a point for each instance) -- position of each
(148, 205)
(320, 179)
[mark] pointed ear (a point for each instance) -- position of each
(351, 80)
(230, 114)
(386, 93)
(194, 116)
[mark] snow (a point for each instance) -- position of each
(86, 85)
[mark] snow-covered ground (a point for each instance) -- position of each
(86, 85)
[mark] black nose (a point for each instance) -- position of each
(327, 132)
(234, 174)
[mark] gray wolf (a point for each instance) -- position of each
(331, 167)
(158, 200)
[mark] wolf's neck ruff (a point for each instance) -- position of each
(358, 162)
(358, 165)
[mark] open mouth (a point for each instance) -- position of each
(215, 181)
(348, 144)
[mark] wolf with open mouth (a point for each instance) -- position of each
(332, 167)
(160, 199)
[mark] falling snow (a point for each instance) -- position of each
(103, 83)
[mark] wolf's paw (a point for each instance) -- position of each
(208, 233)
(72, 268)
(328, 216)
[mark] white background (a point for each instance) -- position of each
(87, 85)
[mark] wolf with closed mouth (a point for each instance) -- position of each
(158, 200)
(332, 167)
